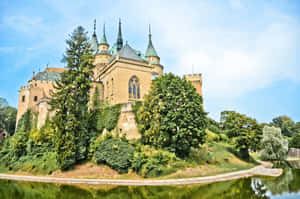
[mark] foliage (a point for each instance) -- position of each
(71, 101)
(213, 126)
(8, 118)
(245, 131)
(286, 124)
(275, 147)
(149, 162)
(295, 141)
(172, 117)
(115, 153)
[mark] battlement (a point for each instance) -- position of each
(60, 70)
(36, 84)
(193, 77)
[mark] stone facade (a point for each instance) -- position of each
(122, 74)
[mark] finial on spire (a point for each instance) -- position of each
(119, 39)
(94, 26)
(149, 30)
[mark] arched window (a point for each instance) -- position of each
(134, 88)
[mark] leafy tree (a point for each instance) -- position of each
(246, 131)
(295, 142)
(275, 146)
(71, 100)
(286, 125)
(8, 118)
(172, 116)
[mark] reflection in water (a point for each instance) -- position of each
(256, 187)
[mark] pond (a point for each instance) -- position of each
(285, 186)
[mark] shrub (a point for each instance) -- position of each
(149, 162)
(114, 153)
(274, 146)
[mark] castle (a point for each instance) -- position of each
(122, 74)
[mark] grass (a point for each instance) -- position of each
(211, 159)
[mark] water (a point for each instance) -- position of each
(285, 186)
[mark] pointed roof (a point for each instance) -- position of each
(119, 39)
(94, 41)
(128, 52)
(150, 52)
(103, 39)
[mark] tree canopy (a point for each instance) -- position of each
(172, 116)
(275, 146)
(71, 100)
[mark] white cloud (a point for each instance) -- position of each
(235, 56)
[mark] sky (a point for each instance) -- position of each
(248, 51)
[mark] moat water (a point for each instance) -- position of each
(285, 186)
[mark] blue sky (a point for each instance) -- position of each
(247, 51)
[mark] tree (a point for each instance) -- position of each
(295, 142)
(172, 116)
(286, 125)
(275, 146)
(245, 131)
(71, 100)
(8, 118)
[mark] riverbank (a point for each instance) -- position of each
(261, 170)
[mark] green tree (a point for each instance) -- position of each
(295, 142)
(286, 125)
(8, 118)
(172, 116)
(71, 100)
(245, 131)
(275, 146)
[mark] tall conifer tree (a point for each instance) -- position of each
(71, 100)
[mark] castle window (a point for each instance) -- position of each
(23, 98)
(35, 98)
(50, 91)
(134, 88)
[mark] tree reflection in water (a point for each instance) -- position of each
(255, 187)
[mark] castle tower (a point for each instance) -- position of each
(102, 56)
(152, 57)
(94, 41)
(103, 45)
(196, 80)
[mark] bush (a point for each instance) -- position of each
(274, 146)
(149, 162)
(114, 153)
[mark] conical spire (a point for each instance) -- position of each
(94, 34)
(103, 39)
(94, 41)
(119, 39)
(150, 52)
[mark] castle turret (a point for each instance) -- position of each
(152, 57)
(102, 57)
(103, 45)
(196, 80)
(94, 41)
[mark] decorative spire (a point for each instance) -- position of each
(119, 39)
(94, 41)
(103, 39)
(150, 52)
(94, 27)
